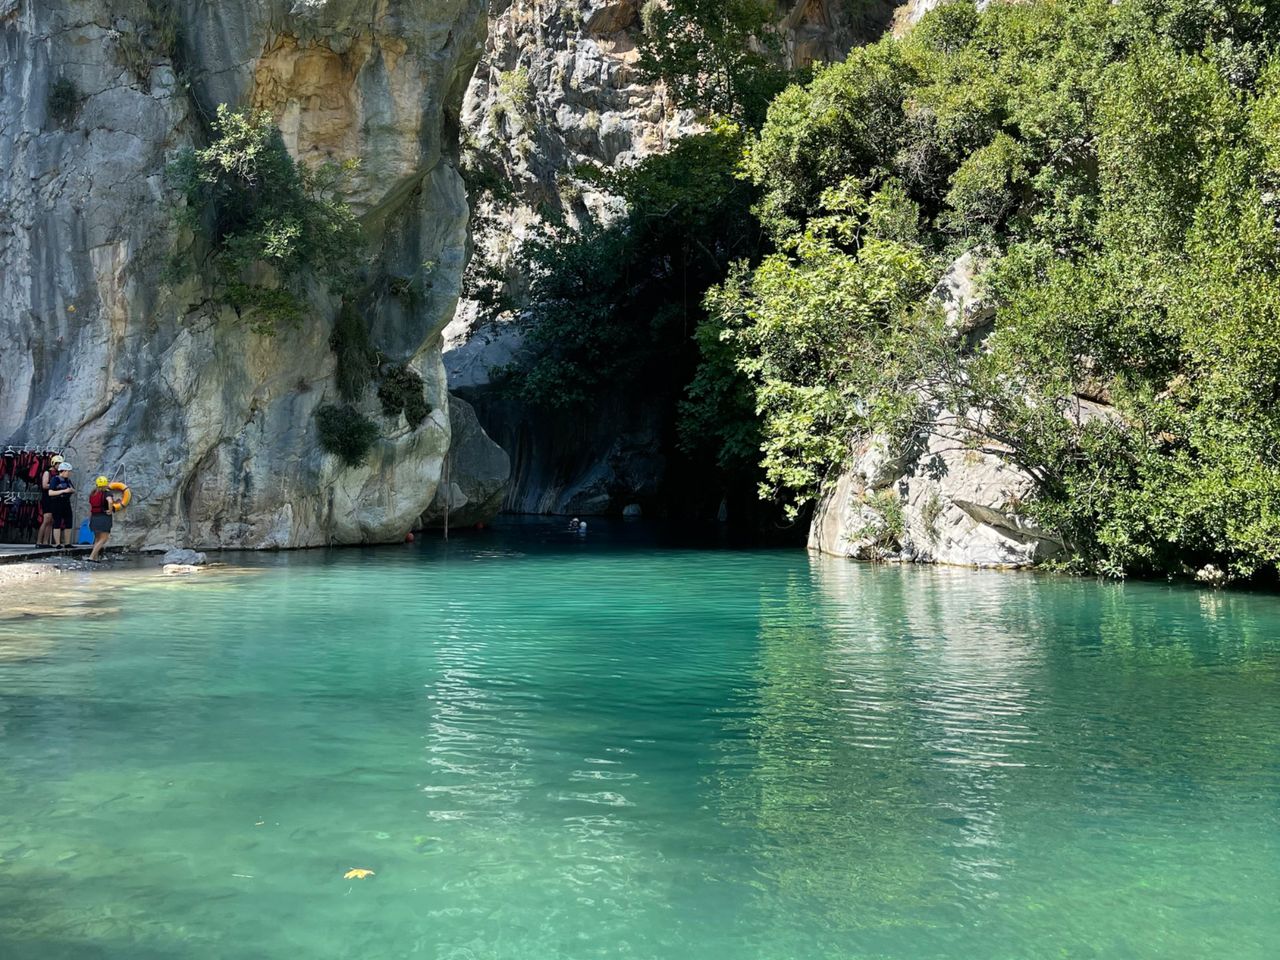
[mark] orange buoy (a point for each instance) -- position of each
(125, 493)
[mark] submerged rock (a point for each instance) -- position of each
(183, 557)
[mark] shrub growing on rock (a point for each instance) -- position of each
(346, 433)
(64, 100)
(357, 360)
(402, 391)
(271, 223)
(719, 56)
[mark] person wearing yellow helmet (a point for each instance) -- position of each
(101, 503)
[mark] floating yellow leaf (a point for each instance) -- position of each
(356, 873)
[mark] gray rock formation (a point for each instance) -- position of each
(942, 500)
(476, 473)
(184, 557)
(557, 88)
(955, 505)
(211, 423)
(967, 307)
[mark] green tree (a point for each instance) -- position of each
(820, 330)
(1118, 164)
(269, 223)
(616, 303)
(717, 56)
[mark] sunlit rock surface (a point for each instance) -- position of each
(211, 423)
(949, 496)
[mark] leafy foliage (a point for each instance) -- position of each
(885, 522)
(1118, 164)
(270, 222)
(401, 391)
(357, 360)
(616, 303)
(815, 326)
(64, 100)
(719, 56)
(346, 433)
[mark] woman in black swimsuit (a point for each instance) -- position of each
(61, 490)
(44, 538)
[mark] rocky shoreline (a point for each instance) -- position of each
(27, 570)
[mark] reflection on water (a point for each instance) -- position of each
(550, 748)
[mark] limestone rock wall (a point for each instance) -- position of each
(475, 477)
(957, 506)
(557, 87)
(211, 423)
(939, 499)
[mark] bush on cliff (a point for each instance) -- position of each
(402, 391)
(346, 433)
(271, 224)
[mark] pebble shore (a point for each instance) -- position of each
(53, 566)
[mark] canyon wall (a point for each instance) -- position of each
(557, 88)
(135, 376)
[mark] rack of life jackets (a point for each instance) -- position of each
(20, 512)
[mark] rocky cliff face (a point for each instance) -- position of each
(556, 89)
(210, 422)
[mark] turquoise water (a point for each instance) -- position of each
(549, 748)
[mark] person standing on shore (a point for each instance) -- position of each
(61, 490)
(101, 505)
(44, 537)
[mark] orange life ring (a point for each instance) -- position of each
(125, 493)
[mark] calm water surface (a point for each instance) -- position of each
(548, 748)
